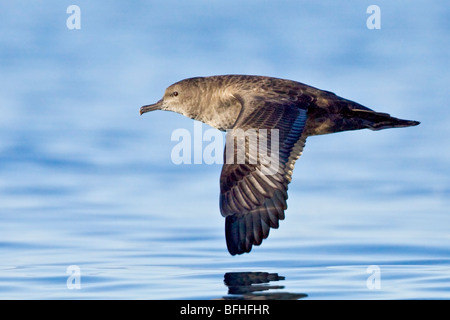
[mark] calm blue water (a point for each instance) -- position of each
(86, 182)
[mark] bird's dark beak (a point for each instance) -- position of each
(151, 107)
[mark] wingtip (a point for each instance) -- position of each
(237, 243)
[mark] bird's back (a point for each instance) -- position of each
(327, 112)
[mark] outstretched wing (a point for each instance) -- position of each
(254, 189)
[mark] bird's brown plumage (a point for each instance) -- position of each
(253, 192)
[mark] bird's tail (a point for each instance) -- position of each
(378, 120)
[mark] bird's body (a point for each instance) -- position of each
(253, 200)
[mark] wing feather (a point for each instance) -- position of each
(253, 199)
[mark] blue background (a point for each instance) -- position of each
(86, 181)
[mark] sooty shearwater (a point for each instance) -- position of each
(282, 113)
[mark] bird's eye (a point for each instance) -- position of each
(174, 94)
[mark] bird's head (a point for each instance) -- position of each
(181, 97)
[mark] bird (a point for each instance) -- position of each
(281, 112)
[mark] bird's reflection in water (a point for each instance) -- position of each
(255, 286)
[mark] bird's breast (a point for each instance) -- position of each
(222, 113)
